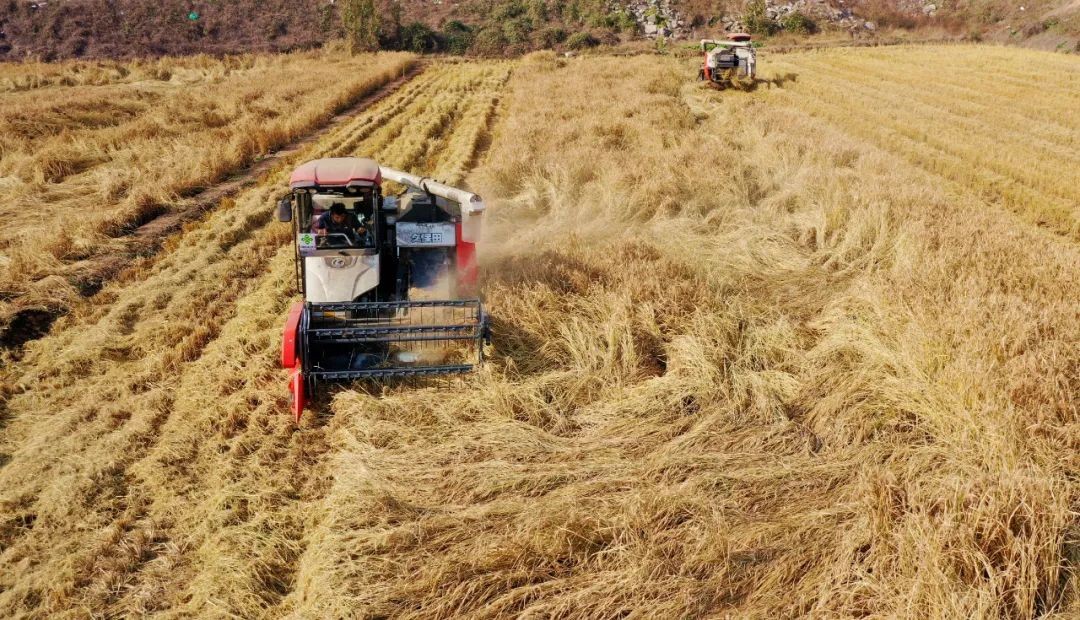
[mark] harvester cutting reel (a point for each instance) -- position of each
(341, 342)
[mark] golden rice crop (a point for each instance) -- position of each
(82, 166)
(748, 363)
(30, 75)
(753, 358)
(995, 129)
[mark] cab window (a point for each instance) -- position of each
(342, 221)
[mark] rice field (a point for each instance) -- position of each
(92, 151)
(808, 350)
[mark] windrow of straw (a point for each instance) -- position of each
(748, 363)
(32, 75)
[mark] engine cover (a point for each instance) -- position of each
(330, 279)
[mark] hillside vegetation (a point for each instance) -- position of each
(808, 349)
(140, 28)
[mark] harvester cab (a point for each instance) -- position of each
(725, 62)
(389, 282)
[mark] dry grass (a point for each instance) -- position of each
(749, 363)
(24, 76)
(994, 128)
(752, 359)
(89, 158)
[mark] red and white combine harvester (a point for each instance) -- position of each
(389, 282)
(728, 62)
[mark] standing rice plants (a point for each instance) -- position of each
(747, 363)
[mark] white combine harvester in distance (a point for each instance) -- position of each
(726, 62)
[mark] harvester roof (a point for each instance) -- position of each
(336, 172)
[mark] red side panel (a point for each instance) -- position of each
(296, 389)
(468, 271)
(291, 336)
(290, 359)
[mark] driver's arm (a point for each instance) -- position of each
(319, 226)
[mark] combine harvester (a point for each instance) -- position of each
(359, 257)
(728, 62)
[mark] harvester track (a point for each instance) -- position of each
(165, 391)
(148, 238)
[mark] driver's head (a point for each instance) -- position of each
(337, 213)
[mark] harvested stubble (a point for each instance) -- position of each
(1005, 134)
(84, 164)
(146, 466)
(23, 76)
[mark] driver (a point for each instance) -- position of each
(339, 221)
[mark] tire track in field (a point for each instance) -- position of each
(88, 402)
(996, 190)
(165, 474)
(95, 398)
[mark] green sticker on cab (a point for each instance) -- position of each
(306, 243)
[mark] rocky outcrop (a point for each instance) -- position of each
(837, 14)
(663, 18)
(659, 18)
